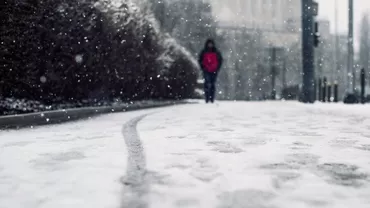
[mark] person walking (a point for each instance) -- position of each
(210, 61)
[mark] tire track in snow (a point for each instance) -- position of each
(135, 186)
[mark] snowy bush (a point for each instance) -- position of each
(57, 51)
(169, 71)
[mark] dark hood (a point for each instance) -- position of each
(210, 41)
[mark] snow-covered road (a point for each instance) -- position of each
(233, 154)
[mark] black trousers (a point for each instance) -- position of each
(209, 86)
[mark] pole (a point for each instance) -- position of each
(284, 73)
(273, 73)
(320, 89)
(325, 82)
(329, 92)
(336, 44)
(336, 92)
(284, 84)
(350, 49)
(363, 84)
(307, 53)
(320, 72)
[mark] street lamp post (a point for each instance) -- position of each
(336, 45)
(308, 87)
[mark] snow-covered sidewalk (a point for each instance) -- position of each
(75, 165)
(258, 154)
(231, 154)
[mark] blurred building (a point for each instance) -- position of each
(271, 23)
(324, 28)
(279, 20)
(325, 54)
(280, 15)
(331, 56)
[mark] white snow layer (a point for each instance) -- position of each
(78, 164)
(259, 154)
(232, 154)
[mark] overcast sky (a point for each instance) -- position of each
(327, 11)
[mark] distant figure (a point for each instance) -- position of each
(210, 61)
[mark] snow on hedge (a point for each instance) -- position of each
(90, 50)
(123, 12)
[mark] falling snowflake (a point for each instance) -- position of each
(79, 58)
(43, 79)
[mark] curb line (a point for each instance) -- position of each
(60, 116)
